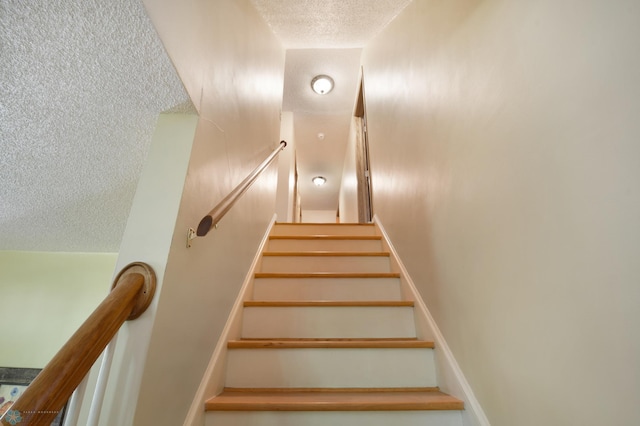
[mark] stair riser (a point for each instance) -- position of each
(308, 264)
(326, 289)
(328, 322)
(283, 351)
(316, 368)
(341, 418)
(325, 245)
(315, 229)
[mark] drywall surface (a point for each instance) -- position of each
(319, 216)
(505, 160)
(147, 238)
(45, 298)
(286, 170)
(228, 55)
(348, 199)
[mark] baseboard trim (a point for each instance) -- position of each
(213, 379)
(451, 375)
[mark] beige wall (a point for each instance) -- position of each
(286, 170)
(147, 238)
(348, 199)
(232, 66)
(318, 216)
(505, 159)
(45, 297)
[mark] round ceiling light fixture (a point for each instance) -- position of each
(322, 84)
(319, 180)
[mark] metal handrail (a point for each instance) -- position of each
(215, 215)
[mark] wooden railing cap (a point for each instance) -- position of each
(131, 294)
(148, 290)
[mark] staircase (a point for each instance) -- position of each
(328, 339)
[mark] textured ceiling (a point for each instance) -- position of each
(310, 24)
(81, 85)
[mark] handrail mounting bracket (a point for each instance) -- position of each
(191, 235)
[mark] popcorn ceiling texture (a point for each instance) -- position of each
(313, 24)
(81, 85)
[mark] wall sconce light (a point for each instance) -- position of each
(322, 84)
(319, 180)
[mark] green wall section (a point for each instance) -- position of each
(44, 298)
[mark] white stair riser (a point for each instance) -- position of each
(307, 264)
(324, 245)
(316, 229)
(317, 368)
(328, 322)
(338, 418)
(326, 289)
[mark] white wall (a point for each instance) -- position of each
(505, 159)
(45, 298)
(318, 216)
(147, 238)
(232, 66)
(286, 170)
(348, 199)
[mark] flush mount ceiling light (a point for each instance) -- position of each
(319, 180)
(322, 84)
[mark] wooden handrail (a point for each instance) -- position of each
(214, 216)
(131, 294)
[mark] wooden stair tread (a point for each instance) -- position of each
(329, 344)
(327, 253)
(326, 237)
(345, 224)
(327, 400)
(336, 339)
(327, 275)
(328, 303)
(318, 399)
(331, 390)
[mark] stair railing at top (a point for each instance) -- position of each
(213, 217)
(131, 294)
